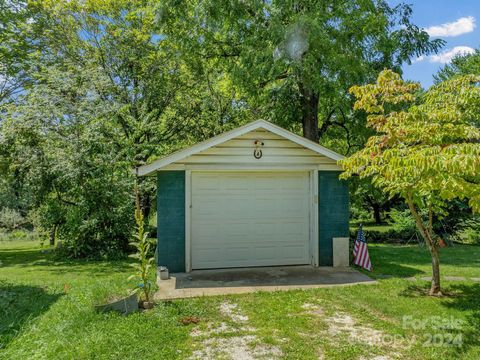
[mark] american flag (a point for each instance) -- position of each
(360, 251)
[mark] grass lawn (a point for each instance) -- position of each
(371, 226)
(379, 228)
(46, 313)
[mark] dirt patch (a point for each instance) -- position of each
(313, 309)
(223, 328)
(230, 310)
(236, 348)
(341, 323)
(239, 342)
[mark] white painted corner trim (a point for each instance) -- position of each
(188, 221)
(259, 124)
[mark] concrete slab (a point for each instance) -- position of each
(247, 280)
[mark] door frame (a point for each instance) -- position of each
(313, 211)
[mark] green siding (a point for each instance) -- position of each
(171, 220)
(333, 213)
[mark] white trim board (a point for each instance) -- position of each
(188, 226)
(250, 167)
(259, 124)
(314, 251)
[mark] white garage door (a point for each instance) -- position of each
(249, 219)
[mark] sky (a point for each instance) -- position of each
(455, 21)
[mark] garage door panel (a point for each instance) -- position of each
(294, 231)
(267, 207)
(237, 183)
(263, 183)
(266, 253)
(292, 183)
(240, 207)
(249, 219)
(237, 254)
(206, 183)
(265, 231)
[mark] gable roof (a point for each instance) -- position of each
(219, 139)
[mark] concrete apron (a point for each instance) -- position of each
(247, 280)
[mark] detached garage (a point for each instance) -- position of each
(255, 196)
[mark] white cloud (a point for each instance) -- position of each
(461, 26)
(418, 59)
(447, 55)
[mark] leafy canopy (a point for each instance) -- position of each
(294, 61)
(105, 92)
(461, 65)
(427, 145)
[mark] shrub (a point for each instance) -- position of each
(100, 233)
(10, 219)
(469, 231)
(359, 214)
(388, 237)
(97, 222)
(402, 222)
(18, 235)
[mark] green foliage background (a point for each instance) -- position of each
(92, 89)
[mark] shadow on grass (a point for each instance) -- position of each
(44, 258)
(462, 297)
(418, 291)
(406, 261)
(466, 299)
(19, 305)
(393, 270)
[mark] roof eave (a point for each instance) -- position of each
(179, 155)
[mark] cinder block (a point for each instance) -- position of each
(341, 251)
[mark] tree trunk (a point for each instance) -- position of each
(376, 213)
(53, 234)
(435, 287)
(309, 103)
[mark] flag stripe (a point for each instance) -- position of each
(360, 251)
(365, 255)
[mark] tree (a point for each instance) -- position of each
(294, 61)
(365, 195)
(106, 92)
(58, 140)
(427, 147)
(459, 211)
(460, 65)
(107, 85)
(20, 44)
(14, 48)
(162, 104)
